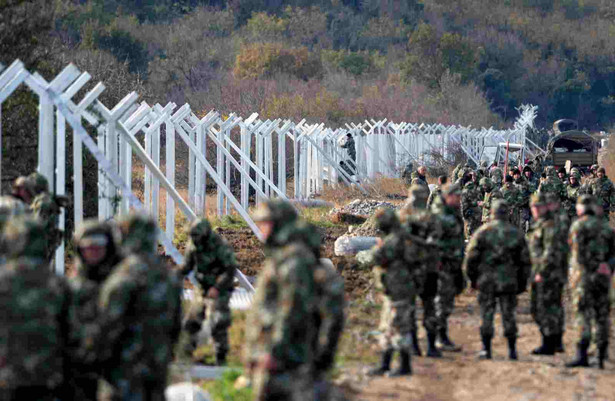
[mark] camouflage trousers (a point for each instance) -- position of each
(525, 219)
(546, 307)
(471, 224)
(445, 300)
(290, 385)
(593, 306)
(428, 298)
(396, 324)
(216, 314)
(508, 305)
(514, 217)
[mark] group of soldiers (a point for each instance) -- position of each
(422, 254)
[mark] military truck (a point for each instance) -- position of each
(569, 143)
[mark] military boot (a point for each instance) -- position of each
(221, 358)
(602, 355)
(416, 348)
(446, 343)
(512, 348)
(558, 346)
(404, 365)
(385, 364)
(547, 347)
(432, 351)
(486, 351)
(581, 358)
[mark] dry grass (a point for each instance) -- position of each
(382, 188)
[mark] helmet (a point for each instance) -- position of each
(26, 236)
(484, 164)
(550, 171)
(499, 209)
(587, 200)
(417, 196)
(486, 182)
(538, 199)
(528, 168)
(497, 173)
(97, 233)
(139, 233)
(36, 184)
(387, 220)
(594, 167)
(200, 229)
(575, 173)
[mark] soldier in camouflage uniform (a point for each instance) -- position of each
(34, 319)
(456, 172)
(437, 192)
(573, 191)
(602, 188)
(549, 253)
(552, 184)
(526, 190)
(418, 177)
(562, 175)
(97, 250)
(280, 328)
(423, 225)
(214, 265)
(140, 315)
(498, 264)
(451, 281)
(393, 257)
(406, 174)
(497, 178)
(47, 208)
(514, 199)
(12, 206)
(592, 246)
(470, 208)
(491, 194)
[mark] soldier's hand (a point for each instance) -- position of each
(213, 293)
(604, 268)
(538, 278)
(379, 242)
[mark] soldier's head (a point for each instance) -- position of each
(594, 169)
(442, 180)
(575, 176)
(516, 174)
(499, 210)
(139, 234)
(25, 237)
(484, 164)
(550, 171)
(496, 174)
(273, 215)
(486, 184)
(387, 220)
(601, 172)
(97, 243)
(538, 205)
(561, 173)
(200, 230)
(422, 170)
(417, 196)
(527, 171)
(586, 206)
(37, 183)
(452, 195)
(508, 180)
(21, 190)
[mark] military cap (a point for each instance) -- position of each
(587, 200)
(561, 170)
(276, 210)
(499, 208)
(527, 168)
(36, 184)
(452, 189)
(594, 167)
(26, 236)
(200, 229)
(139, 233)
(550, 171)
(538, 199)
(486, 181)
(387, 220)
(96, 233)
(575, 173)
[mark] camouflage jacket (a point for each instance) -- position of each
(433, 195)
(280, 322)
(553, 185)
(592, 242)
(424, 228)
(418, 179)
(512, 196)
(602, 189)
(526, 189)
(452, 244)
(497, 258)
(140, 316)
(350, 147)
(47, 208)
(395, 262)
(470, 196)
(33, 324)
(549, 250)
(214, 264)
(572, 194)
(489, 198)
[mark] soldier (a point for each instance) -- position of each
(549, 253)
(395, 277)
(437, 192)
(497, 177)
(552, 184)
(491, 193)
(406, 174)
(456, 172)
(97, 250)
(47, 208)
(532, 178)
(350, 164)
(34, 320)
(592, 246)
(562, 175)
(280, 334)
(498, 264)
(418, 177)
(525, 188)
(421, 224)
(140, 315)
(470, 208)
(573, 191)
(214, 265)
(602, 188)
(514, 200)
(451, 281)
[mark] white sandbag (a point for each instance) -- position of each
(348, 246)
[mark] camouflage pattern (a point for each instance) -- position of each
(491, 194)
(406, 174)
(10, 208)
(498, 264)
(514, 200)
(34, 320)
(572, 194)
(592, 247)
(549, 254)
(418, 179)
(349, 145)
(552, 184)
(214, 264)
(455, 173)
(497, 177)
(47, 208)
(140, 315)
(603, 190)
(433, 195)
(470, 210)
(85, 287)
(526, 189)
(280, 329)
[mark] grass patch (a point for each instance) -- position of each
(223, 389)
(236, 335)
(319, 216)
(228, 222)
